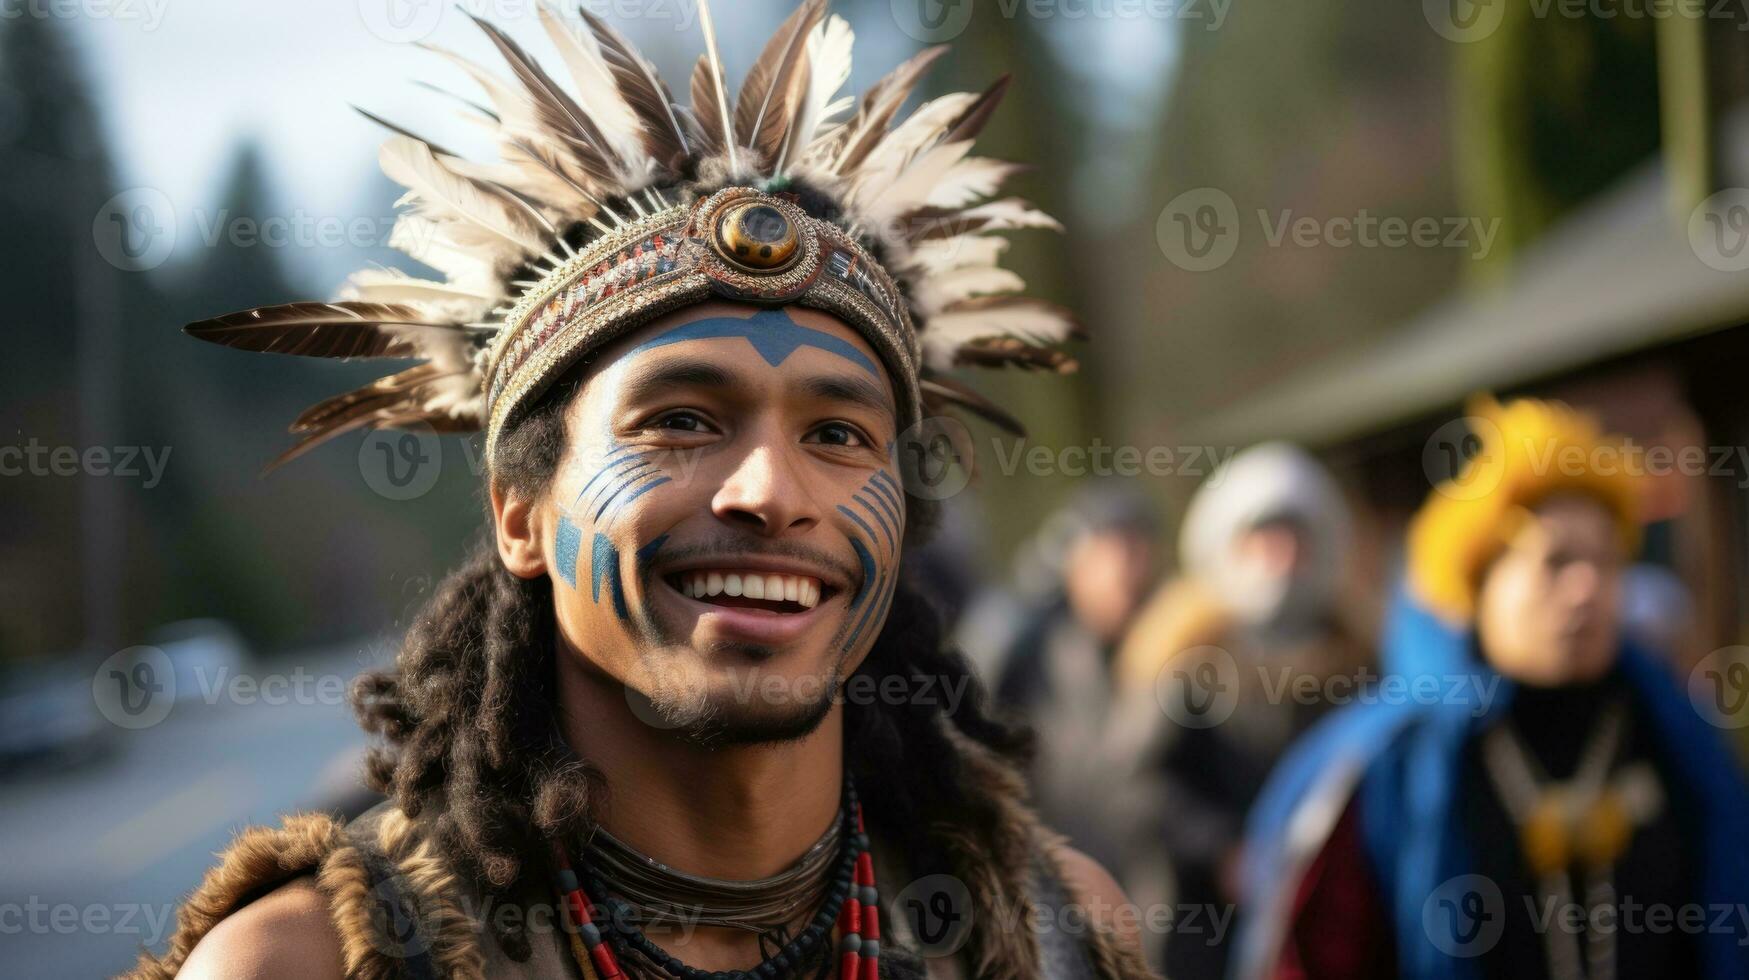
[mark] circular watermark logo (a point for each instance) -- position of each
(646, 711)
(1464, 916)
(932, 21)
(938, 908)
(135, 688)
(401, 464)
(401, 21)
(136, 229)
(1718, 686)
(397, 929)
(1198, 230)
(930, 458)
(1718, 230)
(1464, 21)
(1465, 458)
(1199, 688)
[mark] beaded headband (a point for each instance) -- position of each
(612, 204)
(739, 243)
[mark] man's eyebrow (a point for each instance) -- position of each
(649, 382)
(849, 388)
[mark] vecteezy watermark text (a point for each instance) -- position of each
(1098, 458)
(1203, 686)
(1200, 229)
(35, 459)
(150, 13)
(937, 21)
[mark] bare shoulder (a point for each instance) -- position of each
(1100, 894)
(285, 933)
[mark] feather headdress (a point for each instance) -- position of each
(612, 203)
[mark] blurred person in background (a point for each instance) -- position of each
(1263, 546)
(1538, 798)
(681, 709)
(1083, 578)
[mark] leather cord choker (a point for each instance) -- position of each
(664, 895)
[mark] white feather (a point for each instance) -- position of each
(937, 292)
(828, 52)
(519, 122)
(946, 333)
(1010, 213)
(939, 255)
(423, 240)
(449, 350)
(912, 188)
(899, 147)
(435, 301)
(444, 195)
(598, 95)
(969, 180)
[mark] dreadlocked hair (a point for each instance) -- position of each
(467, 716)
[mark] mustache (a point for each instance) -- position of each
(730, 546)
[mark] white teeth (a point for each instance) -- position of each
(799, 589)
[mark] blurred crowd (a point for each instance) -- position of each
(1289, 782)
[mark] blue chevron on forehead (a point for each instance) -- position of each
(771, 332)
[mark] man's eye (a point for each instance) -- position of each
(839, 434)
(682, 422)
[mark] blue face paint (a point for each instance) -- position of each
(604, 563)
(625, 475)
(616, 464)
(866, 560)
(566, 543)
(636, 479)
(881, 481)
(879, 510)
(876, 506)
(873, 584)
(648, 551)
(771, 332)
(636, 472)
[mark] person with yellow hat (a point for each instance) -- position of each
(1527, 793)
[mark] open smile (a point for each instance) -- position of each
(750, 589)
(771, 606)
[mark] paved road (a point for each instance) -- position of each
(95, 856)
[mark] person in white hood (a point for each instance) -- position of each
(1222, 669)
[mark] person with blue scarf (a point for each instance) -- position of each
(1525, 793)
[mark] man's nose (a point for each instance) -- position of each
(767, 492)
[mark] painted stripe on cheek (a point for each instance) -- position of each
(567, 541)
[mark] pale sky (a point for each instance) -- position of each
(180, 83)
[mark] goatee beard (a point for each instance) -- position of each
(699, 720)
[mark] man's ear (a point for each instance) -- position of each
(520, 529)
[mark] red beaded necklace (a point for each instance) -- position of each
(857, 923)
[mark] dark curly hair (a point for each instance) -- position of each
(471, 745)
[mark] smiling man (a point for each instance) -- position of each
(681, 713)
(737, 518)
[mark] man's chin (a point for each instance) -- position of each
(743, 706)
(734, 728)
